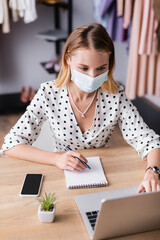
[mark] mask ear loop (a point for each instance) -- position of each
(69, 66)
(69, 59)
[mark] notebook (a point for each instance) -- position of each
(88, 178)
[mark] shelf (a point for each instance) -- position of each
(56, 35)
(53, 35)
(61, 4)
(50, 70)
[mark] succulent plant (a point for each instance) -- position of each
(47, 201)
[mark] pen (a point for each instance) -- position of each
(69, 149)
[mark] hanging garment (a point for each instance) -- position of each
(157, 89)
(18, 7)
(30, 14)
(1, 11)
(128, 9)
(120, 8)
(23, 8)
(131, 84)
(114, 24)
(149, 26)
(156, 9)
(158, 36)
(109, 8)
(15, 15)
(5, 22)
(106, 6)
(97, 15)
(143, 73)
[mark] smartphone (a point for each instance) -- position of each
(31, 185)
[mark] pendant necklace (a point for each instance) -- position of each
(82, 113)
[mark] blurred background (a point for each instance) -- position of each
(32, 38)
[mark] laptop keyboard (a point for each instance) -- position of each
(92, 217)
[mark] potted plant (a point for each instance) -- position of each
(47, 207)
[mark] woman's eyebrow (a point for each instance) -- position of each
(103, 65)
(81, 64)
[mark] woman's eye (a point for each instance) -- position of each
(84, 68)
(101, 68)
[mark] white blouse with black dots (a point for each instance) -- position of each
(52, 103)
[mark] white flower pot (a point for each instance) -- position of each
(45, 216)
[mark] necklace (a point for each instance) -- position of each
(82, 113)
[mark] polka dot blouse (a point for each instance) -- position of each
(52, 103)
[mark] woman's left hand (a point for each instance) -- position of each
(150, 182)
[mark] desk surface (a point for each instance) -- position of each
(18, 216)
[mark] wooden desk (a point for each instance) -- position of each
(18, 215)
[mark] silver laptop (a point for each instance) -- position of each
(119, 212)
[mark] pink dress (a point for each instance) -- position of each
(128, 8)
(143, 74)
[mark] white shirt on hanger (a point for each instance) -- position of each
(1, 11)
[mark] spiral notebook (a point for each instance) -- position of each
(88, 178)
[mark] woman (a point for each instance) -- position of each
(83, 106)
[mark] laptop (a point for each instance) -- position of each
(119, 212)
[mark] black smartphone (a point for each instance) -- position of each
(31, 185)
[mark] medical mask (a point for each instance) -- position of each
(87, 83)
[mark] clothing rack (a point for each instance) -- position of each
(11, 101)
(57, 35)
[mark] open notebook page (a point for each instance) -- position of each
(88, 178)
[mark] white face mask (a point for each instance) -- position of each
(87, 83)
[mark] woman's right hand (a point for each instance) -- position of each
(68, 161)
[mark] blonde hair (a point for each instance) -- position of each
(87, 36)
